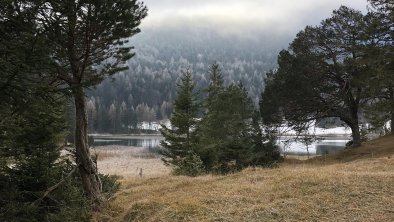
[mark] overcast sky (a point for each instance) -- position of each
(279, 16)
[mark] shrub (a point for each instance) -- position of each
(191, 165)
(110, 184)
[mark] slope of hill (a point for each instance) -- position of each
(355, 185)
(145, 92)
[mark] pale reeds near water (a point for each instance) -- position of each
(126, 161)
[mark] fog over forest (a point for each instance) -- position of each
(243, 37)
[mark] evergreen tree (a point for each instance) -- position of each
(380, 107)
(225, 132)
(209, 128)
(322, 74)
(179, 140)
(88, 42)
(215, 86)
(31, 127)
(33, 165)
(236, 113)
(263, 148)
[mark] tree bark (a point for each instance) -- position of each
(87, 168)
(392, 122)
(356, 134)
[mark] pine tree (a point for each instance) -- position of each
(31, 126)
(224, 128)
(31, 148)
(322, 74)
(233, 144)
(229, 137)
(209, 128)
(89, 42)
(179, 140)
(215, 85)
(380, 56)
(263, 148)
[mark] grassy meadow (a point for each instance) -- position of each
(354, 185)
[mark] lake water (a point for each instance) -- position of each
(152, 143)
(286, 144)
(290, 145)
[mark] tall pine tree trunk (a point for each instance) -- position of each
(87, 168)
(356, 135)
(392, 123)
(353, 124)
(354, 107)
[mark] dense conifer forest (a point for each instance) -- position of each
(146, 91)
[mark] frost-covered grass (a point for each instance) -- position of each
(356, 185)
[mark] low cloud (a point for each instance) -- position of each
(243, 17)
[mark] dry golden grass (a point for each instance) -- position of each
(112, 151)
(352, 186)
(128, 162)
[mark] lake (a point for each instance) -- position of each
(287, 144)
(322, 146)
(151, 142)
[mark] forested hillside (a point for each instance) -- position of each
(146, 91)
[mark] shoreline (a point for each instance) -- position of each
(126, 136)
(155, 135)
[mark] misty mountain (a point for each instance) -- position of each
(161, 55)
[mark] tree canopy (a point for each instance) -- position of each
(88, 42)
(180, 139)
(32, 127)
(380, 107)
(322, 74)
(228, 137)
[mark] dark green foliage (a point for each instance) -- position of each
(322, 74)
(29, 147)
(265, 152)
(190, 165)
(36, 183)
(179, 140)
(209, 128)
(110, 184)
(215, 86)
(224, 128)
(69, 45)
(380, 56)
(228, 140)
(270, 105)
(88, 42)
(89, 38)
